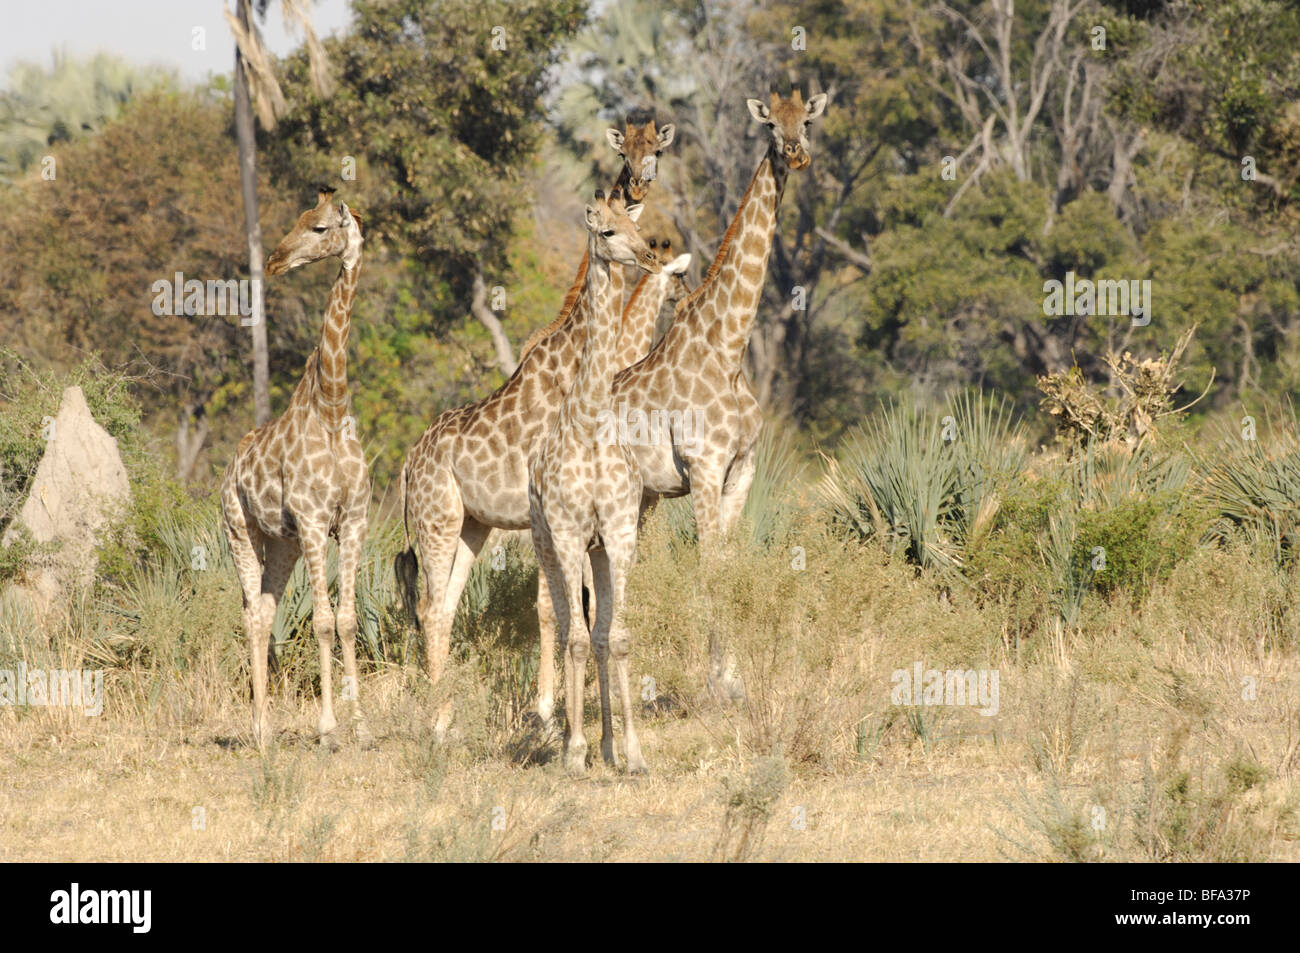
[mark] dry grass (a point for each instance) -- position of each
(1128, 737)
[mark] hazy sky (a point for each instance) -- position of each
(146, 31)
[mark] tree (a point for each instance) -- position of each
(437, 115)
(95, 243)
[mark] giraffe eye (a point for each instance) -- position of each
(608, 233)
(320, 228)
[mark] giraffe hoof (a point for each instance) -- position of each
(365, 740)
(329, 742)
(638, 768)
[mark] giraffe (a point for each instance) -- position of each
(639, 146)
(642, 310)
(584, 492)
(697, 365)
(695, 368)
(302, 477)
(467, 474)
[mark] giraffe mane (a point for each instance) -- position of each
(570, 299)
(727, 238)
(636, 293)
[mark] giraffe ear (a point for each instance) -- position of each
(679, 264)
(666, 136)
(615, 139)
(593, 218)
(634, 211)
(345, 213)
(758, 110)
(816, 106)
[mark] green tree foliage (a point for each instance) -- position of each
(971, 152)
(153, 194)
(1225, 76)
(439, 104)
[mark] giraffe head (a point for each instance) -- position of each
(674, 268)
(640, 146)
(789, 120)
(320, 232)
(614, 236)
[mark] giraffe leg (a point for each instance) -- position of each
(281, 555)
(246, 544)
(546, 622)
(569, 561)
(589, 605)
(598, 561)
(436, 533)
(735, 491)
(473, 535)
(315, 541)
(619, 551)
(352, 533)
(563, 573)
(706, 499)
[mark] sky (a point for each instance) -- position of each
(147, 32)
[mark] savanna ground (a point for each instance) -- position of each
(1132, 581)
(1149, 715)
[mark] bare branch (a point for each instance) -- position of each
(505, 358)
(850, 253)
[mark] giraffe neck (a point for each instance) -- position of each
(590, 392)
(638, 329)
(569, 308)
(578, 286)
(332, 367)
(724, 307)
(624, 178)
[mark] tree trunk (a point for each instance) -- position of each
(478, 306)
(248, 183)
(189, 442)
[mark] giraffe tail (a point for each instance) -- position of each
(405, 565)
